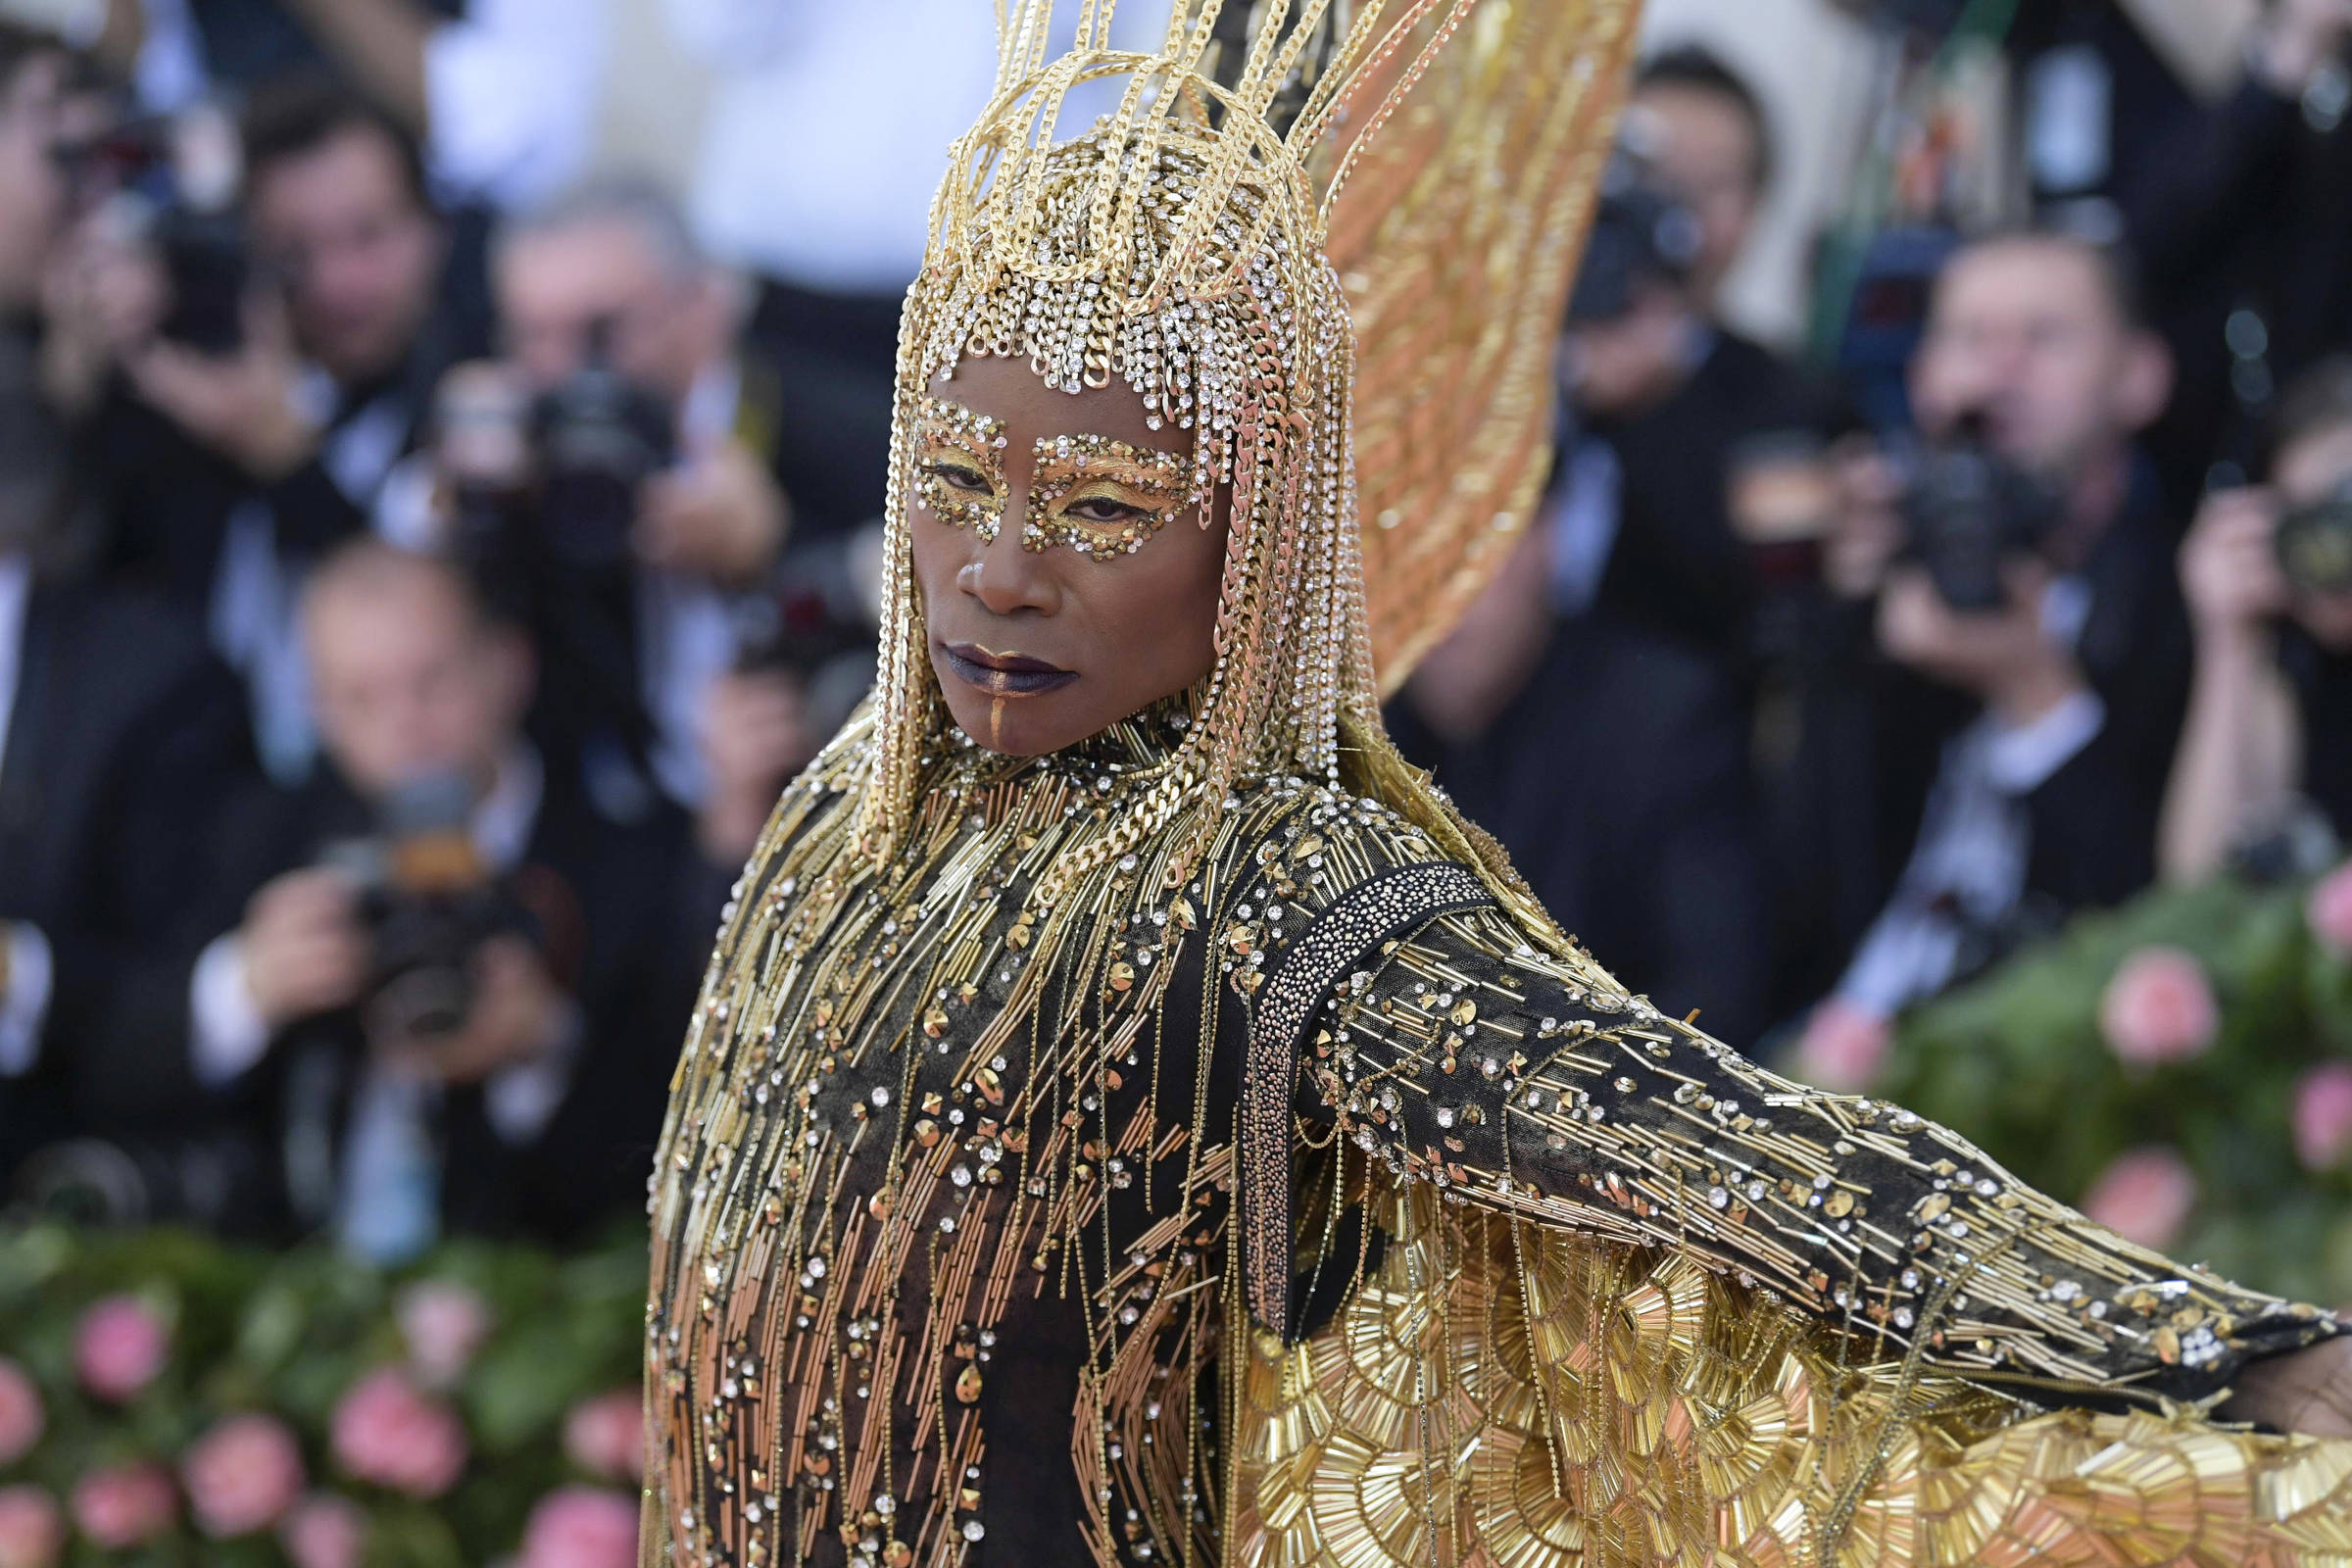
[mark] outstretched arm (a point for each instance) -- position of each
(1455, 1047)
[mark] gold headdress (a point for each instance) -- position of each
(1447, 149)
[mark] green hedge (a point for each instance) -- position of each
(291, 1335)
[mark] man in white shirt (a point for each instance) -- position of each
(513, 1088)
(222, 474)
(617, 259)
(2055, 712)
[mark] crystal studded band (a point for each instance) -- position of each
(1369, 915)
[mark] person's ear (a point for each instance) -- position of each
(2144, 388)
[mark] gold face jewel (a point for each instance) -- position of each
(959, 467)
(1102, 497)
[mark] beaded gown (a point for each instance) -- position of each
(1361, 1230)
(1195, 1145)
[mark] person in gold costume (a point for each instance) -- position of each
(1132, 1119)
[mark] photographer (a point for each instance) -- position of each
(639, 517)
(251, 411)
(2035, 628)
(121, 739)
(459, 1006)
(1661, 396)
(2269, 578)
(1630, 616)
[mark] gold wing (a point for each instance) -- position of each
(1456, 230)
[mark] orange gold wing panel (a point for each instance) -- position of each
(1456, 235)
(1556, 1401)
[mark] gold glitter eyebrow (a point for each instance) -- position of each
(1065, 462)
(940, 423)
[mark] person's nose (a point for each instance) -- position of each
(1007, 578)
(2006, 365)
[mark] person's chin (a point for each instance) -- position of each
(1021, 730)
(1011, 724)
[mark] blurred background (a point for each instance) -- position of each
(441, 452)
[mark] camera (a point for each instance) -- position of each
(552, 478)
(1970, 511)
(428, 904)
(815, 610)
(2315, 543)
(596, 438)
(1640, 232)
(176, 182)
(816, 623)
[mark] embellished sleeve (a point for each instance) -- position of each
(1407, 1006)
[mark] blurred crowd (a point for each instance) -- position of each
(424, 560)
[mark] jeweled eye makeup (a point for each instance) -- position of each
(959, 465)
(1102, 497)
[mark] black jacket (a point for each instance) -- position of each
(126, 743)
(1618, 780)
(1872, 737)
(623, 917)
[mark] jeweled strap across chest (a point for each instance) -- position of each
(1361, 919)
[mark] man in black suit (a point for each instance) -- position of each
(1627, 626)
(646, 630)
(229, 457)
(2048, 722)
(1611, 760)
(124, 738)
(118, 735)
(1666, 397)
(508, 1079)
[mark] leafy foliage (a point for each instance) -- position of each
(290, 1334)
(2022, 1062)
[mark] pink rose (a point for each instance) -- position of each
(387, 1432)
(2323, 1116)
(325, 1531)
(2159, 1008)
(581, 1527)
(1844, 1048)
(125, 1506)
(32, 1528)
(606, 1435)
(2328, 910)
(242, 1476)
(120, 1347)
(444, 1323)
(23, 1419)
(2146, 1195)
